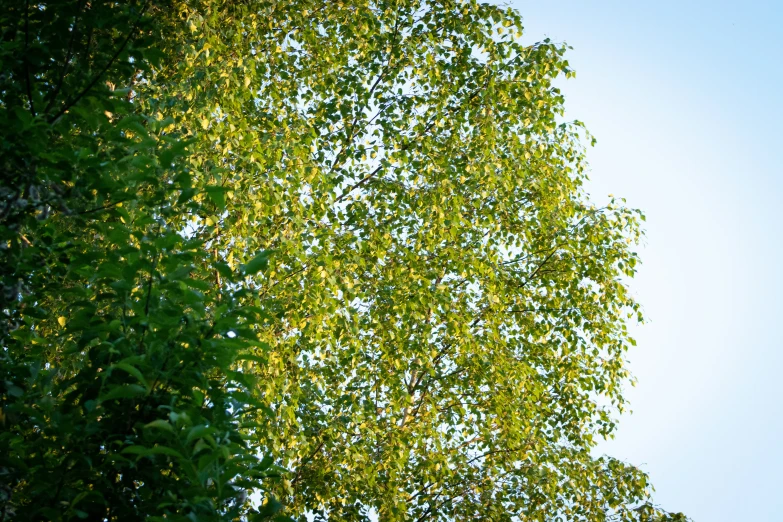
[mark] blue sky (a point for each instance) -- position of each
(685, 100)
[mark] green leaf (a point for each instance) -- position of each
(197, 284)
(224, 270)
(142, 451)
(266, 462)
(160, 424)
(251, 357)
(126, 367)
(271, 507)
(124, 392)
(258, 263)
(198, 432)
(217, 195)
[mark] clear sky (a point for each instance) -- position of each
(686, 101)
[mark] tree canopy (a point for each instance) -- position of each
(335, 253)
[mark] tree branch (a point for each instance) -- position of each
(98, 76)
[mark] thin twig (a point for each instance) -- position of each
(68, 56)
(26, 53)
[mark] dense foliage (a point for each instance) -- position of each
(121, 397)
(346, 238)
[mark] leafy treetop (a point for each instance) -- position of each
(349, 235)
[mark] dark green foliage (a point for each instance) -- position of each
(120, 387)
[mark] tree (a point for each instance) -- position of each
(349, 235)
